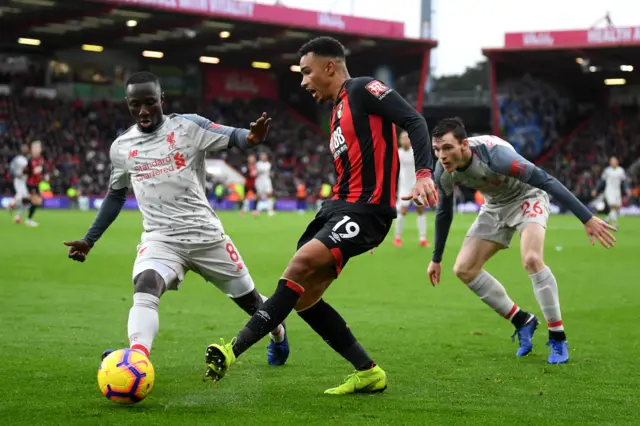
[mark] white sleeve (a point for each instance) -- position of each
(119, 175)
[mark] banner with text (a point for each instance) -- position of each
(596, 37)
(275, 14)
(240, 84)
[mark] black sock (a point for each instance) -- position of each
(273, 312)
(557, 335)
(250, 303)
(32, 210)
(334, 330)
(520, 319)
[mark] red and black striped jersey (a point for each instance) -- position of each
(363, 143)
(35, 164)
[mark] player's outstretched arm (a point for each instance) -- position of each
(444, 218)
(508, 162)
(108, 212)
(387, 103)
(217, 137)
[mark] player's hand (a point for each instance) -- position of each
(598, 229)
(424, 193)
(594, 193)
(259, 129)
(433, 271)
(78, 250)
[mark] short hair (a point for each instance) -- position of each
(452, 125)
(142, 77)
(325, 46)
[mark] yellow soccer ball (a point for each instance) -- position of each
(126, 376)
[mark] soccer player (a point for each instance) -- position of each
(250, 173)
(18, 169)
(162, 159)
(515, 193)
(35, 172)
(264, 186)
(405, 184)
(612, 181)
(355, 220)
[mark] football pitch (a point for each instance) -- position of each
(449, 358)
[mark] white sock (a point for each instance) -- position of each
(23, 209)
(143, 321)
(399, 225)
(614, 216)
(245, 205)
(278, 334)
(270, 203)
(545, 289)
(493, 294)
(422, 227)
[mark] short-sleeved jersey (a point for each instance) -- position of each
(613, 179)
(263, 172)
(407, 178)
(18, 166)
(166, 170)
(493, 171)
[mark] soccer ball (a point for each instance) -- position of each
(126, 376)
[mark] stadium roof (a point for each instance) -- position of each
(187, 29)
(602, 50)
(585, 62)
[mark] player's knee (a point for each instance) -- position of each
(532, 262)
(150, 282)
(465, 272)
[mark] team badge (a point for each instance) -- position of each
(339, 111)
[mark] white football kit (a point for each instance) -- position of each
(17, 167)
(264, 186)
(407, 178)
(613, 179)
(166, 170)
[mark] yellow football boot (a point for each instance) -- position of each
(367, 381)
(219, 358)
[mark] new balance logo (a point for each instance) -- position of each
(179, 160)
(133, 154)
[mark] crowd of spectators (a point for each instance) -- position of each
(579, 162)
(76, 137)
(533, 114)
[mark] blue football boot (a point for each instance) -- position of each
(558, 351)
(106, 354)
(525, 334)
(278, 353)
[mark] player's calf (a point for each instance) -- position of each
(278, 348)
(144, 321)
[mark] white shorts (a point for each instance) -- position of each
(498, 224)
(219, 263)
(20, 186)
(403, 192)
(614, 199)
(264, 188)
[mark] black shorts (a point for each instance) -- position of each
(347, 231)
(33, 189)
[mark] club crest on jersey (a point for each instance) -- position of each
(378, 89)
(339, 111)
(171, 140)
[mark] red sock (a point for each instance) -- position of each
(141, 349)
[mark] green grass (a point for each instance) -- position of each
(448, 357)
